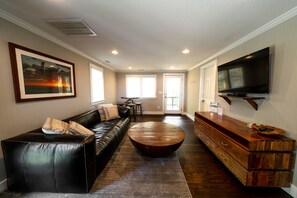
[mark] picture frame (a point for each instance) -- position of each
(38, 76)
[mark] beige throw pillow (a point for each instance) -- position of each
(76, 128)
(111, 112)
(101, 110)
(55, 126)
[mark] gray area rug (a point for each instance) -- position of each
(130, 174)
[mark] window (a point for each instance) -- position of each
(143, 86)
(97, 84)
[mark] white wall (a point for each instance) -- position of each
(17, 118)
(279, 108)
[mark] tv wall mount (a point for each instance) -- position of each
(251, 100)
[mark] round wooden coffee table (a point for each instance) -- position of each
(156, 139)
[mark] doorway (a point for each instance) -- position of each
(207, 85)
(173, 93)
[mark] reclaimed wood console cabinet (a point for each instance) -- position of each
(256, 160)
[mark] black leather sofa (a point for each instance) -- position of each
(64, 163)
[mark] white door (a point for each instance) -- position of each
(207, 85)
(173, 93)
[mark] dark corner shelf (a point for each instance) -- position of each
(250, 100)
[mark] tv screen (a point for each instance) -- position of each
(248, 74)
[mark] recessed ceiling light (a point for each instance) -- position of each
(129, 67)
(172, 67)
(186, 51)
(115, 52)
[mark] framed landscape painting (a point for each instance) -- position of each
(38, 76)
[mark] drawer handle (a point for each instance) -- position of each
(224, 144)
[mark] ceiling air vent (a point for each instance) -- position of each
(72, 27)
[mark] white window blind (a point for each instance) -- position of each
(97, 84)
(143, 86)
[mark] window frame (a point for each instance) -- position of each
(100, 69)
(141, 85)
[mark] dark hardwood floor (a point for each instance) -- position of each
(205, 174)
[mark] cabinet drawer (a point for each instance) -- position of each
(237, 152)
(237, 169)
(233, 149)
(200, 125)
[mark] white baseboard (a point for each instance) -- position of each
(189, 116)
(162, 113)
(292, 190)
(153, 113)
(3, 185)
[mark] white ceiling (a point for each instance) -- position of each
(150, 34)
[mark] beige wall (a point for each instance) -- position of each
(193, 86)
(16, 118)
(280, 107)
(110, 86)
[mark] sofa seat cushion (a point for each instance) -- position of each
(108, 131)
(123, 123)
(102, 128)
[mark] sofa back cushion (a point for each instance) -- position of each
(86, 119)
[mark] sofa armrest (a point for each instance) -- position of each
(50, 163)
(124, 112)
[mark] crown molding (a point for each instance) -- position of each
(17, 21)
(151, 71)
(282, 18)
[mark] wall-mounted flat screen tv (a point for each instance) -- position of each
(248, 74)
